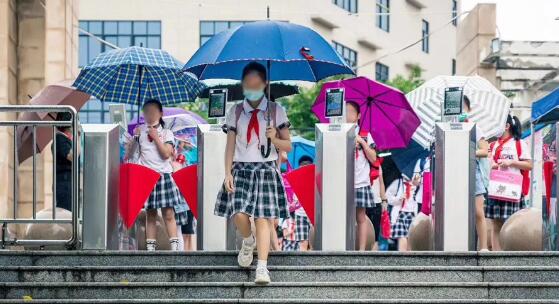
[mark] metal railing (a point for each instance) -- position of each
(69, 243)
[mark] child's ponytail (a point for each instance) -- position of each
(515, 127)
(161, 122)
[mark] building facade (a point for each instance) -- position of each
(38, 46)
(361, 30)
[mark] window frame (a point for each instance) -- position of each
(383, 21)
(425, 36)
(351, 6)
(382, 72)
(342, 49)
(454, 12)
(201, 36)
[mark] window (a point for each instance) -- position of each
(348, 5)
(425, 36)
(453, 67)
(95, 111)
(454, 12)
(349, 55)
(383, 17)
(209, 28)
(381, 72)
(122, 34)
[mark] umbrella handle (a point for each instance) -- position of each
(265, 151)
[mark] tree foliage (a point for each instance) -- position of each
(409, 83)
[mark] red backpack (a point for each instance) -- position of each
(525, 173)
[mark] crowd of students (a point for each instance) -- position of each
(253, 191)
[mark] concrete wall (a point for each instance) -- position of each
(180, 26)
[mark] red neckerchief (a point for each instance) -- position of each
(501, 142)
(253, 125)
(407, 192)
(362, 134)
(68, 135)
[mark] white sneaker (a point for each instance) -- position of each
(151, 245)
(174, 242)
(262, 276)
(246, 254)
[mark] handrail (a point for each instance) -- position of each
(69, 243)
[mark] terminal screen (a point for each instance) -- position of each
(452, 101)
(334, 102)
(216, 108)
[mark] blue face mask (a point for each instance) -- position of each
(253, 95)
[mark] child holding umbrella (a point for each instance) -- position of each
(364, 155)
(253, 185)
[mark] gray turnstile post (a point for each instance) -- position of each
(212, 230)
(455, 162)
(334, 187)
(101, 163)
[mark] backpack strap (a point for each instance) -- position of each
(525, 173)
(238, 112)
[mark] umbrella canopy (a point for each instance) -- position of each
(407, 159)
(174, 118)
(293, 52)
(57, 94)
(385, 112)
(301, 147)
(546, 109)
(134, 75)
(489, 107)
(235, 91)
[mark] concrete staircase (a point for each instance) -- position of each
(315, 277)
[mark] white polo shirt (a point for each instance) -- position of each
(250, 152)
(149, 155)
(509, 152)
(362, 165)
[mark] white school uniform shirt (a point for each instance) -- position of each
(509, 152)
(394, 193)
(362, 165)
(149, 155)
(250, 152)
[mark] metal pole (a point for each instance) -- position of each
(16, 164)
(34, 172)
(75, 172)
(54, 172)
(532, 150)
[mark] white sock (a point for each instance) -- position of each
(262, 263)
(249, 240)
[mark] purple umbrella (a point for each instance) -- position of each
(385, 111)
(175, 118)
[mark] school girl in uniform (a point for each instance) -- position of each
(156, 146)
(253, 186)
(365, 154)
(509, 153)
(404, 209)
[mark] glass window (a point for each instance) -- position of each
(125, 27)
(348, 5)
(381, 72)
(112, 40)
(110, 28)
(383, 15)
(83, 25)
(124, 41)
(154, 42)
(94, 47)
(209, 28)
(141, 41)
(95, 27)
(454, 12)
(425, 36)
(140, 27)
(453, 67)
(83, 51)
(154, 28)
(349, 55)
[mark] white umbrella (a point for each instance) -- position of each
(489, 107)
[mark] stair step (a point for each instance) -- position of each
(280, 274)
(228, 258)
(281, 290)
(279, 301)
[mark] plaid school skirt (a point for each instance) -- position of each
(401, 228)
(288, 245)
(165, 194)
(302, 228)
(364, 197)
(501, 210)
(259, 192)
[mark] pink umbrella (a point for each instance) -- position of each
(385, 111)
(55, 94)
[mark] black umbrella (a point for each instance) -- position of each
(235, 91)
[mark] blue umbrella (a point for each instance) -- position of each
(290, 52)
(406, 159)
(301, 149)
(134, 75)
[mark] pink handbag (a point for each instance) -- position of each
(505, 186)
